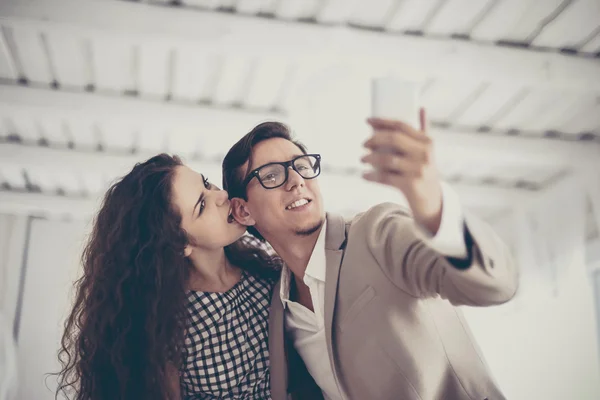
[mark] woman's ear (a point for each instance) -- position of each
(187, 251)
(239, 210)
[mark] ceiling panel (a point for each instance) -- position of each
(492, 100)
(584, 119)
(68, 58)
(24, 125)
(52, 129)
(13, 176)
(31, 55)
(576, 23)
(515, 20)
(233, 80)
(195, 74)
(336, 11)
(374, 13)
(444, 97)
(114, 65)
(116, 134)
(209, 4)
(458, 16)
(592, 46)
(296, 9)
(155, 66)
(411, 15)
(83, 130)
(267, 79)
(252, 7)
(8, 69)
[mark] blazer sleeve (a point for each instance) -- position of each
(488, 276)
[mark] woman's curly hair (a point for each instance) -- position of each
(129, 314)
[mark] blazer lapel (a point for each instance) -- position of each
(335, 238)
(277, 352)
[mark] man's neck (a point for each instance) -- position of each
(296, 251)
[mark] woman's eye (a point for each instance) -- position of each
(202, 204)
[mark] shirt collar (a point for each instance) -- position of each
(315, 269)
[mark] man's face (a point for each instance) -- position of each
(278, 212)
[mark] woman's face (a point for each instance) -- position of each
(205, 211)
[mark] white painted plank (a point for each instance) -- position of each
(207, 4)
(234, 34)
(24, 125)
(186, 141)
(43, 179)
(155, 70)
(374, 13)
(501, 18)
(336, 11)
(8, 69)
(52, 129)
(585, 119)
(253, 7)
(82, 131)
(457, 16)
(91, 182)
(530, 19)
(411, 15)
(266, 82)
(444, 97)
(67, 55)
(195, 74)
(559, 111)
(574, 24)
(573, 104)
(296, 9)
(537, 110)
(593, 46)
(116, 134)
(226, 126)
(113, 64)
(13, 176)
(152, 138)
(489, 103)
(32, 56)
(233, 80)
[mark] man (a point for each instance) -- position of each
(369, 304)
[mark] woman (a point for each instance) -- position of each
(171, 304)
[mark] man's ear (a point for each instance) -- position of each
(240, 211)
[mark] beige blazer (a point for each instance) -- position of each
(392, 328)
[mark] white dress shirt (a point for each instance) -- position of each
(307, 329)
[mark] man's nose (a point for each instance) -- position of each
(294, 179)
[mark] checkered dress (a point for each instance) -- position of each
(227, 355)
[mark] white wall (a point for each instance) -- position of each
(543, 346)
(52, 263)
(540, 347)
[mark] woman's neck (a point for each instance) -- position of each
(212, 272)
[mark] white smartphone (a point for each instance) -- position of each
(397, 99)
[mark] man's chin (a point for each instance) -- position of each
(310, 229)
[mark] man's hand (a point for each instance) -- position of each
(402, 157)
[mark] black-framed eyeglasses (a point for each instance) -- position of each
(275, 174)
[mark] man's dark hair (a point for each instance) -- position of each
(233, 172)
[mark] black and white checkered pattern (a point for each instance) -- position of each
(227, 354)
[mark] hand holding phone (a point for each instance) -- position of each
(395, 99)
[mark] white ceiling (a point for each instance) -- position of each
(87, 88)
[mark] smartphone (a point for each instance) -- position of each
(396, 99)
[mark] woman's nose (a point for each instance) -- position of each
(223, 197)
